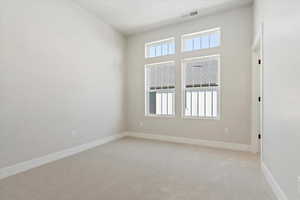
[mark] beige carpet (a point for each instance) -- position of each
(136, 169)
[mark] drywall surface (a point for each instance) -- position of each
(281, 138)
(61, 78)
(234, 126)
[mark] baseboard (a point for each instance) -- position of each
(273, 183)
(36, 162)
(207, 143)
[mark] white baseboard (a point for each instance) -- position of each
(273, 183)
(207, 143)
(36, 162)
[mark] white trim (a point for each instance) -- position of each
(159, 41)
(183, 88)
(200, 58)
(147, 44)
(257, 50)
(146, 90)
(201, 32)
(160, 63)
(160, 116)
(184, 140)
(201, 118)
(273, 183)
(36, 162)
(188, 35)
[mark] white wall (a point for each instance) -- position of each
(281, 137)
(235, 53)
(61, 78)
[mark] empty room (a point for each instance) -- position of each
(149, 100)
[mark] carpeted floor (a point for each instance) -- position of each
(137, 169)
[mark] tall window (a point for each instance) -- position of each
(160, 48)
(201, 40)
(201, 87)
(160, 89)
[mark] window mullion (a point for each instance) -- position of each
(197, 103)
(205, 103)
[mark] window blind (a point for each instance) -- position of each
(202, 73)
(160, 88)
(161, 76)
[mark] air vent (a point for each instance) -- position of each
(194, 13)
(191, 14)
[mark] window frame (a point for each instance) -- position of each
(183, 89)
(146, 92)
(200, 33)
(147, 44)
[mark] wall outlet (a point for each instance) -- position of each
(226, 130)
(74, 133)
(141, 124)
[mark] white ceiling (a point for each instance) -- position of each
(132, 16)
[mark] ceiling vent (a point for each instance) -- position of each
(191, 14)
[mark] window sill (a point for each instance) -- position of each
(161, 116)
(200, 118)
(200, 50)
(162, 56)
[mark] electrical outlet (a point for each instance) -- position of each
(226, 130)
(74, 133)
(141, 124)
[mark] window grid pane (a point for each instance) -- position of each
(195, 104)
(201, 104)
(188, 100)
(164, 103)
(160, 88)
(160, 48)
(215, 104)
(158, 103)
(201, 85)
(208, 104)
(170, 103)
(202, 40)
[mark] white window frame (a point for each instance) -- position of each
(146, 93)
(200, 33)
(183, 89)
(159, 42)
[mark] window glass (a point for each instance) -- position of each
(214, 39)
(160, 48)
(197, 43)
(205, 41)
(165, 49)
(201, 40)
(152, 51)
(201, 86)
(160, 88)
(189, 44)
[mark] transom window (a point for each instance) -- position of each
(201, 40)
(201, 87)
(160, 89)
(160, 48)
(200, 76)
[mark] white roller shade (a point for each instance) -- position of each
(202, 72)
(160, 76)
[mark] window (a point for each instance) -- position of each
(201, 40)
(201, 87)
(160, 48)
(160, 89)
